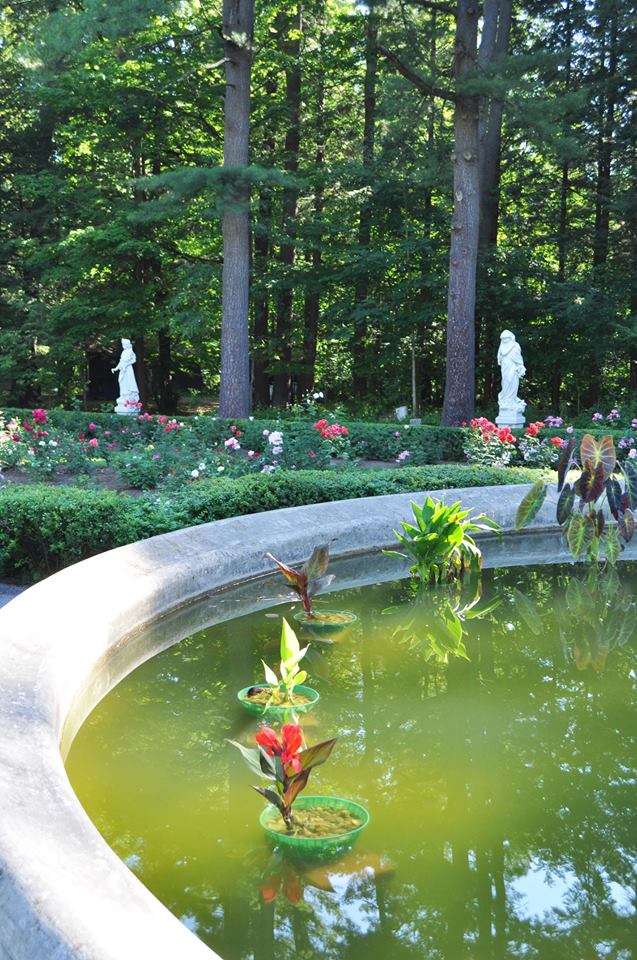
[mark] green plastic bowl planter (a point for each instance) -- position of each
(323, 626)
(279, 712)
(316, 848)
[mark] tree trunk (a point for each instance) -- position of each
(459, 399)
(238, 25)
(312, 305)
(261, 304)
(605, 143)
(361, 290)
(165, 391)
(292, 50)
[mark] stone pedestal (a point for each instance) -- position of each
(125, 411)
(511, 417)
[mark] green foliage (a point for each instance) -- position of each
(310, 579)
(43, 529)
(587, 534)
(440, 544)
(282, 687)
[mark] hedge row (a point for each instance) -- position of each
(45, 528)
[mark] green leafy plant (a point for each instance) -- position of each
(440, 542)
(602, 481)
(291, 676)
(310, 579)
(285, 764)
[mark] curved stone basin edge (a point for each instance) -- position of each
(64, 894)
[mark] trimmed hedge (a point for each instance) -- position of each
(45, 528)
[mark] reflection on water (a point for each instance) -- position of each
(501, 787)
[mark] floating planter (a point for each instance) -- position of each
(328, 621)
(278, 697)
(312, 827)
(257, 699)
(323, 826)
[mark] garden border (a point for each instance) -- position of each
(64, 894)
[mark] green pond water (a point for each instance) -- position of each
(501, 784)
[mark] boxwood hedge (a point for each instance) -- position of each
(44, 528)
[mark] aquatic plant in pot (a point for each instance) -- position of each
(439, 542)
(306, 582)
(280, 695)
(314, 827)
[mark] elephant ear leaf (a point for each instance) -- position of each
(630, 473)
(598, 452)
(613, 495)
(564, 463)
(565, 504)
(579, 534)
(592, 482)
(530, 505)
(316, 566)
(626, 526)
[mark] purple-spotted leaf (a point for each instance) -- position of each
(565, 503)
(530, 505)
(564, 463)
(317, 754)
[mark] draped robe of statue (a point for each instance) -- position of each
(511, 412)
(128, 389)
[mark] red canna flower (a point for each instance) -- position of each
(267, 738)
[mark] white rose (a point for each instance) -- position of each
(194, 474)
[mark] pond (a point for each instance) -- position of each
(496, 754)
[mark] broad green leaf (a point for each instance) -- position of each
(531, 505)
(579, 535)
(289, 642)
(612, 546)
(251, 755)
(528, 611)
(565, 503)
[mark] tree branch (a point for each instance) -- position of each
(439, 7)
(427, 88)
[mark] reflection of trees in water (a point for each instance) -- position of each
(483, 774)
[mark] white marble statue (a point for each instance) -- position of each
(128, 390)
(512, 366)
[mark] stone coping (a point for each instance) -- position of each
(64, 894)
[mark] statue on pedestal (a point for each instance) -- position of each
(128, 390)
(511, 412)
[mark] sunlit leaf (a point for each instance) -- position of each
(270, 675)
(531, 505)
(251, 755)
(295, 787)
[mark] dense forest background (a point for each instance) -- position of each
(112, 195)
